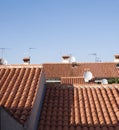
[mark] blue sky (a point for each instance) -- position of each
(59, 27)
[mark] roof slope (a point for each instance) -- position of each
(99, 70)
(18, 87)
(80, 108)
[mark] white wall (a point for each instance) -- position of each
(33, 120)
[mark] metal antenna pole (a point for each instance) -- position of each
(94, 54)
(30, 48)
(2, 52)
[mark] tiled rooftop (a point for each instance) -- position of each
(72, 80)
(99, 70)
(18, 87)
(80, 108)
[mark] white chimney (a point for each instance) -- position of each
(116, 58)
(66, 59)
(26, 60)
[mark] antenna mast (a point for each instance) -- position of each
(31, 49)
(94, 54)
(3, 52)
(97, 59)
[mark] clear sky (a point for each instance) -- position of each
(59, 27)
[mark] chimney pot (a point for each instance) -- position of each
(66, 59)
(26, 60)
(116, 58)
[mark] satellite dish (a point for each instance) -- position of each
(3, 61)
(73, 59)
(87, 76)
(104, 81)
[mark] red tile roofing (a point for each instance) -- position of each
(80, 108)
(72, 80)
(99, 70)
(18, 87)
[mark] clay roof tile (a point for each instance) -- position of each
(90, 108)
(18, 88)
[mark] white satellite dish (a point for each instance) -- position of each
(73, 59)
(87, 76)
(104, 81)
(3, 61)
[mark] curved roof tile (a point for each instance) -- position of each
(18, 85)
(89, 108)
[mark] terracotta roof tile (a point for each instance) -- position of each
(58, 70)
(80, 108)
(72, 80)
(18, 89)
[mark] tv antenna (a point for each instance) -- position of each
(3, 52)
(28, 51)
(31, 48)
(97, 59)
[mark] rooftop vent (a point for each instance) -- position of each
(116, 58)
(117, 65)
(74, 64)
(26, 60)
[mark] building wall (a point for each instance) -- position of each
(33, 120)
(7, 122)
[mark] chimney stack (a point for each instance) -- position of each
(26, 60)
(116, 58)
(66, 59)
